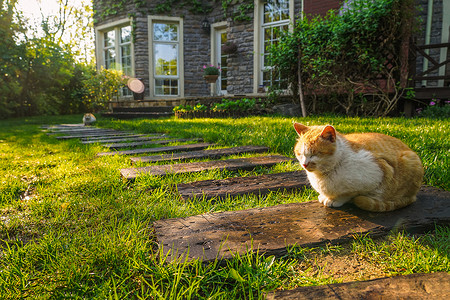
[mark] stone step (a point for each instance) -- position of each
(228, 164)
(136, 144)
(60, 126)
(413, 286)
(79, 130)
(234, 186)
(188, 147)
(127, 138)
(272, 229)
(93, 135)
(125, 135)
(213, 153)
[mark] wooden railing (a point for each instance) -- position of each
(433, 64)
(435, 91)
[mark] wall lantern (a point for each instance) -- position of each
(206, 26)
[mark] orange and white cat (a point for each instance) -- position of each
(375, 171)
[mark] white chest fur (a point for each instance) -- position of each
(353, 172)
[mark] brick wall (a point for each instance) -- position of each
(320, 7)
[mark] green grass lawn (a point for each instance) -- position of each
(71, 227)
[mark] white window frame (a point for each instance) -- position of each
(180, 61)
(258, 42)
(215, 43)
(100, 45)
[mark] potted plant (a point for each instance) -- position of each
(229, 48)
(211, 73)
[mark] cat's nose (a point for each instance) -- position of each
(305, 165)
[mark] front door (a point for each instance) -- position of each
(221, 38)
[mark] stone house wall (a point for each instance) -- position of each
(197, 43)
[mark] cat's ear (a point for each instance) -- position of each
(329, 133)
(300, 128)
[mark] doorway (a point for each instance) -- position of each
(221, 61)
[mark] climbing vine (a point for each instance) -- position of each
(238, 10)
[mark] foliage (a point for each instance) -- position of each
(39, 74)
(241, 105)
(99, 87)
(211, 70)
(183, 108)
(244, 104)
(436, 109)
(355, 51)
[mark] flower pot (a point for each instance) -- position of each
(210, 78)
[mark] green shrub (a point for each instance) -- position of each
(436, 110)
(345, 53)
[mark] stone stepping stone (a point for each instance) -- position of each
(234, 186)
(188, 147)
(92, 134)
(413, 286)
(214, 153)
(126, 138)
(136, 144)
(272, 229)
(62, 126)
(120, 135)
(227, 164)
(79, 130)
(85, 132)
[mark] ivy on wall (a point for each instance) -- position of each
(238, 10)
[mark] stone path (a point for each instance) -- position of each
(271, 229)
(187, 147)
(157, 142)
(126, 139)
(122, 135)
(414, 286)
(212, 154)
(234, 186)
(228, 164)
(93, 135)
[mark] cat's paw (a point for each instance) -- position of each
(332, 202)
(325, 200)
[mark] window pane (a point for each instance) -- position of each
(109, 38)
(125, 34)
(110, 58)
(276, 10)
(166, 87)
(165, 32)
(166, 56)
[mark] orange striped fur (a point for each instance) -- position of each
(377, 172)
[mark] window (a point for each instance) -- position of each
(166, 59)
(117, 51)
(275, 18)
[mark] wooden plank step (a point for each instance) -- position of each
(92, 134)
(188, 147)
(271, 229)
(136, 144)
(213, 153)
(235, 186)
(127, 138)
(413, 286)
(248, 163)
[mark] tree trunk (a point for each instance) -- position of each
(300, 85)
